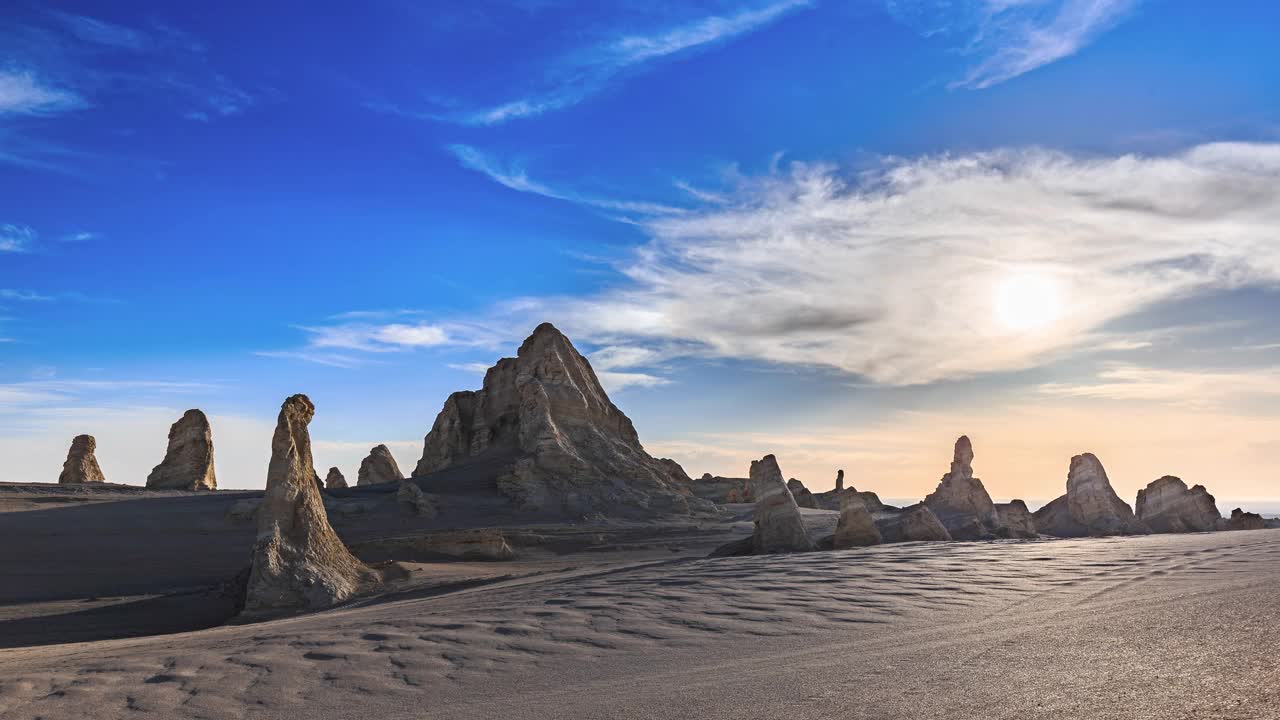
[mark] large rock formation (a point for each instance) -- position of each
(298, 561)
(912, 524)
(544, 428)
(856, 527)
(1090, 507)
(778, 525)
(1167, 506)
(335, 479)
(379, 467)
(1016, 520)
(188, 462)
(961, 502)
(803, 497)
(722, 490)
(81, 465)
(1241, 520)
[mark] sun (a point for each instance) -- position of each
(1028, 301)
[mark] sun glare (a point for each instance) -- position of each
(1028, 301)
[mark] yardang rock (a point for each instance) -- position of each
(1167, 506)
(379, 467)
(334, 480)
(188, 461)
(1090, 507)
(961, 502)
(81, 465)
(855, 528)
(778, 525)
(916, 523)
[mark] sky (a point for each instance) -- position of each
(841, 232)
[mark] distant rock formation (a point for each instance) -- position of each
(1241, 520)
(298, 561)
(912, 524)
(803, 497)
(414, 501)
(1016, 520)
(1167, 506)
(856, 527)
(778, 525)
(188, 461)
(379, 467)
(334, 480)
(81, 465)
(839, 480)
(545, 429)
(722, 490)
(961, 502)
(1090, 507)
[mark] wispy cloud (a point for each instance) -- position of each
(23, 93)
(1009, 38)
(1195, 388)
(16, 238)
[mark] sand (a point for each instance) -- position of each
(635, 624)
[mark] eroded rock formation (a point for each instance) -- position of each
(379, 467)
(856, 527)
(1167, 506)
(299, 563)
(961, 502)
(188, 461)
(722, 490)
(414, 501)
(912, 524)
(544, 429)
(1016, 520)
(778, 525)
(839, 480)
(803, 497)
(81, 465)
(335, 480)
(1241, 520)
(1090, 507)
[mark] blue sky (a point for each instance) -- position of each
(844, 232)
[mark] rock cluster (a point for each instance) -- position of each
(547, 433)
(722, 490)
(803, 497)
(912, 524)
(1090, 507)
(961, 502)
(298, 561)
(778, 525)
(188, 461)
(1167, 506)
(334, 480)
(856, 527)
(81, 465)
(1016, 520)
(1241, 520)
(379, 467)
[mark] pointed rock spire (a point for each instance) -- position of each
(379, 467)
(1090, 507)
(188, 461)
(961, 502)
(779, 527)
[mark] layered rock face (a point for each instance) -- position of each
(1241, 520)
(81, 465)
(961, 502)
(1090, 507)
(779, 527)
(721, 490)
(803, 497)
(379, 467)
(188, 461)
(1167, 506)
(334, 480)
(1016, 520)
(856, 527)
(913, 524)
(560, 445)
(298, 561)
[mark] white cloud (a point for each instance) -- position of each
(1195, 388)
(23, 93)
(1013, 37)
(16, 238)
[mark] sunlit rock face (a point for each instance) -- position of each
(334, 480)
(778, 525)
(379, 467)
(1167, 506)
(856, 527)
(552, 440)
(188, 460)
(722, 490)
(298, 561)
(81, 465)
(961, 502)
(1241, 520)
(803, 497)
(912, 524)
(1090, 507)
(1016, 520)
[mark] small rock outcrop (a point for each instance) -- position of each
(856, 527)
(335, 479)
(1090, 507)
(546, 433)
(379, 467)
(81, 465)
(299, 563)
(1167, 506)
(722, 490)
(778, 525)
(961, 502)
(839, 480)
(803, 497)
(1016, 520)
(912, 524)
(414, 501)
(1241, 520)
(188, 461)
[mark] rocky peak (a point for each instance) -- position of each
(335, 480)
(81, 465)
(961, 502)
(1090, 507)
(188, 460)
(378, 467)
